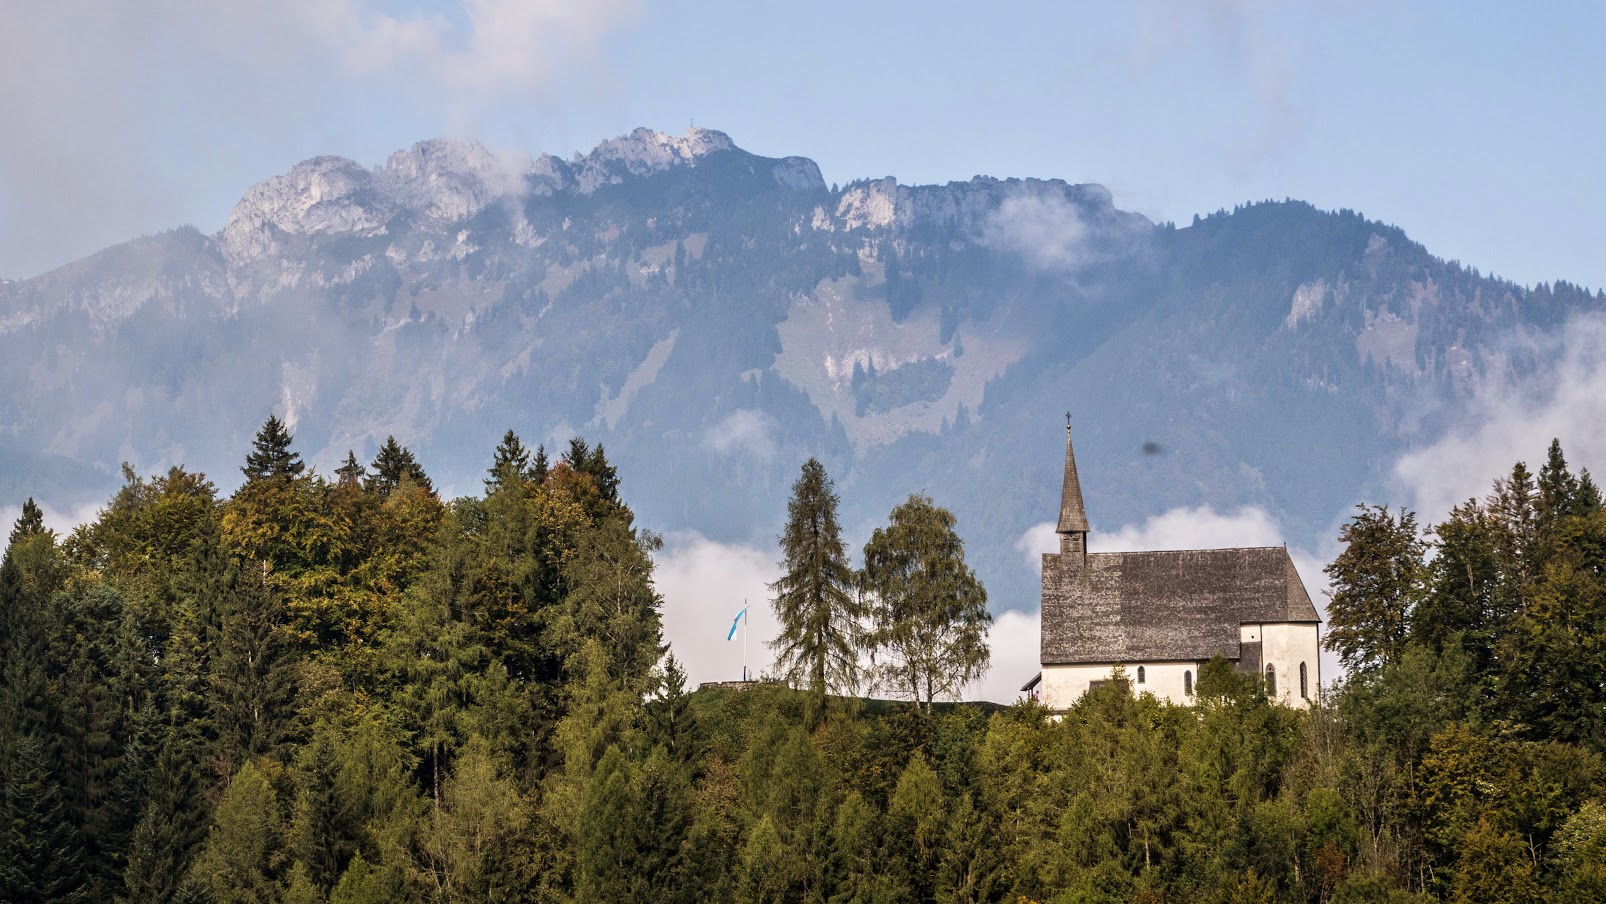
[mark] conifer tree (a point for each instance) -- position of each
(41, 853)
(271, 455)
(820, 618)
(593, 462)
(321, 830)
(1557, 489)
(671, 723)
(352, 473)
(539, 466)
(30, 524)
(171, 825)
(240, 862)
(929, 615)
(509, 464)
(393, 464)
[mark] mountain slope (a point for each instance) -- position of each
(714, 317)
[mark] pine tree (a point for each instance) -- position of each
(510, 464)
(270, 453)
(392, 465)
(819, 615)
(321, 830)
(252, 680)
(929, 613)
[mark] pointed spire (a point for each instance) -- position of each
(1073, 516)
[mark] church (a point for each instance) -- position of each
(1163, 615)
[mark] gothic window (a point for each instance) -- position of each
(1271, 680)
(1304, 685)
(1140, 674)
(1187, 682)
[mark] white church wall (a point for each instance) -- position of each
(1064, 684)
(1285, 647)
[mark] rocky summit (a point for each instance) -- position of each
(714, 317)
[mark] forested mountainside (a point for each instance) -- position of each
(351, 690)
(713, 317)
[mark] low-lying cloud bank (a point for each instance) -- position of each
(1510, 422)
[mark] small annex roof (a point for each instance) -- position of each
(1176, 605)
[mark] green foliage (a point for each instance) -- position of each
(243, 856)
(510, 464)
(1376, 580)
(928, 613)
(819, 614)
(271, 456)
(313, 692)
(395, 465)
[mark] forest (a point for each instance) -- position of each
(347, 689)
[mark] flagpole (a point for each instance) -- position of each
(745, 620)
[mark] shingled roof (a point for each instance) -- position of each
(1176, 605)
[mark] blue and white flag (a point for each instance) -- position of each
(736, 621)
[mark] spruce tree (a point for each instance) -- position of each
(593, 462)
(819, 615)
(352, 473)
(41, 854)
(271, 455)
(539, 466)
(393, 464)
(30, 524)
(510, 463)
(671, 723)
(1557, 487)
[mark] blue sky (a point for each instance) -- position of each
(1477, 127)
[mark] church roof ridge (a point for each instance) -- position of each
(1134, 552)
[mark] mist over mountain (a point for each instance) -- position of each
(714, 317)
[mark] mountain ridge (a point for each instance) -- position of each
(711, 315)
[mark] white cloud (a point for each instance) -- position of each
(704, 584)
(99, 96)
(1179, 528)
(1513, 422)
(1015, 644)
(1046, 229)
(747, 431)
(1193, 528)
(62, 521)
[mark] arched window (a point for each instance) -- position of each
(1271, 680)
(1304, 683)
(1140, 674)
(1187, 682)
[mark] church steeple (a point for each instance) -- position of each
(1073, 516)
